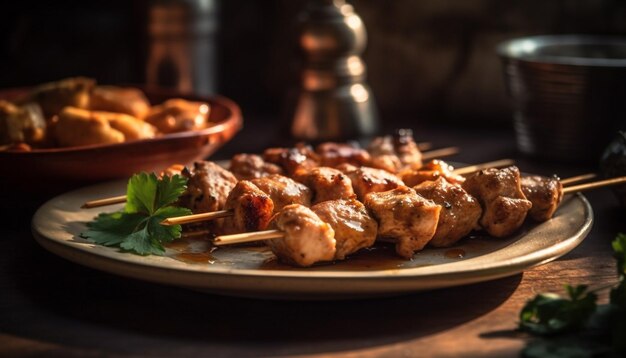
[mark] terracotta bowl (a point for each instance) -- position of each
(48, 170)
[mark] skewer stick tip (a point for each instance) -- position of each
(248, 237)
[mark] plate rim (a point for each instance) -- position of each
(81, 254)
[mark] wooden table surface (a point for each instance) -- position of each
(49, 306)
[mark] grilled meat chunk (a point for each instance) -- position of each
(504, 204)
(251, 166)
(404, 217)
(284, 191)
(252, 209)
(366, 180)
(332, 154)
(354, 227)
(207, 188)
(301, 156)
(430, 172)
(460, 211)
(326, 183)
(392, 153)
(307, 238)
(545, 194)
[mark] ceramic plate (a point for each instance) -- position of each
(253, 271)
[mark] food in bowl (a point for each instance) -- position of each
(77, 112)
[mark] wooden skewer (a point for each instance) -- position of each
(248, 237)
(188, 219)
(104, 202)
(440, 153)
(578, 178)
(424, 146)
(474, 168)
(593, 185)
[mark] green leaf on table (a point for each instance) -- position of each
(549, 313)
(619, 251)
(138, 228)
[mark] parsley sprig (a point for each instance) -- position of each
(576, 324)
(138, 227)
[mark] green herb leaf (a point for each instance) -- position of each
(619, 249)
(141, 193)
(138, 228)
(169, 189)
(111, 229)
(548, 314)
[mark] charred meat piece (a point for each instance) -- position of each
(545, 194)
(252, 209)
(430, 172)
(332, 154)
(354, 227)
(207, 188)
(504, 204)
(301, 156)
(393, 153)
(460, 211)
(284, 191)
(326, 183)
(367, 180)
(404, 218)
(251, 166)
(307, 238)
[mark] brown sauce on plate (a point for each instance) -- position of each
(455, 254)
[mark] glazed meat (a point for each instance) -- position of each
(354, 228)
(301, 156)
(404, 218)
(430, 172)
(251, 166)
(393, 153)
(460, 211)
(252, 209)
(332, 154)
(504, 204)
(207, 188)
(326, 183)
(544, 193)
(307, 238)
(284, 191)
(367, 180)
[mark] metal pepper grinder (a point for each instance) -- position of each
(335, 102)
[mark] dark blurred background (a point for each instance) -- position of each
(431, 61)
